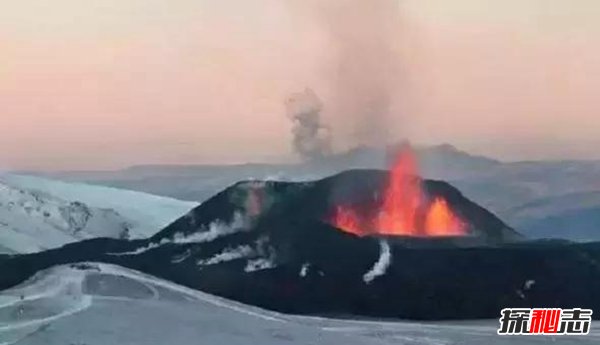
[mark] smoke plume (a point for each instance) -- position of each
(362, 64)
(382, 264)
(311, 139)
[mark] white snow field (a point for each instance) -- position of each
(38, 213)
(99, 304)
(31, 221)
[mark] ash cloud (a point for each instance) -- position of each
(311, 138)
(362, 66)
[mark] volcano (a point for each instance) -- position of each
(302, 206)
(273, 245)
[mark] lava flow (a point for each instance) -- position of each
(404, 210)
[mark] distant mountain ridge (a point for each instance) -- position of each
(501, 187)
(199, 182)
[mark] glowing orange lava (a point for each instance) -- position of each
(440, 221)
(346, 219)
(404, 210)
(402, 198)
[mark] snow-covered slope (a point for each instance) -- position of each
(31, 221)
(37, 214)
(98, 304)
(148, 213)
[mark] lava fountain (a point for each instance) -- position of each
(403, 210)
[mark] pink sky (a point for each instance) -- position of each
(103, 84)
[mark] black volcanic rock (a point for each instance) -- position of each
(287, 258)
(314, 201)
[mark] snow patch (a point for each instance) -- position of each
(528, 284)
(266, 256)
(304, 270)
(259, 265)
(380, 267)
(181, 258)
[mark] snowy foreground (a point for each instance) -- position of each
(98, 304)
